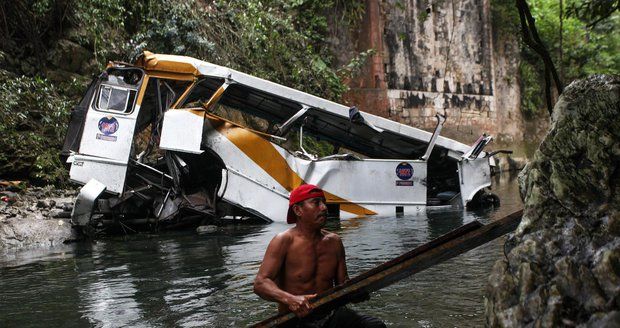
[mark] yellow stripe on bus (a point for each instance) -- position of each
(142, 91)
(265, 155)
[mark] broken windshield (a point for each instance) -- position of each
(115, 99)
(118, 90)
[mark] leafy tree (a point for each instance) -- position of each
(587, 50)
(33, 118)
(593, 12)
(578, 47)
(533, 40)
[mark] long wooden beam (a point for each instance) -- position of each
(438, 250)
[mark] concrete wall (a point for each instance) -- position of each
(436, 56)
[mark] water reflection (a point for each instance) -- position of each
(110, 290)
(190, 280)
(441, 222)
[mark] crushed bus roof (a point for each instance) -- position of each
(381, 136)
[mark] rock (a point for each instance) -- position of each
(46, 203)
(69, 56)
(62, 76)
(8, 193)
(563, 263)
(67, 207)
(91, 67)
(511, 164)
(31, 220)
(607, 271)
(604, 320)
(58, 213)
(61, 202)
(34, 232)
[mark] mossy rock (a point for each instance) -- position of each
(562, 264)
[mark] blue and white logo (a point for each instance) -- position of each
(108, 125)
(404, 171)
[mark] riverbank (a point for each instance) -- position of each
(37, 217)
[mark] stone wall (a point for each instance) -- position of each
(436, 56)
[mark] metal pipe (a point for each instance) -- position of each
(286, 126)
(431, 144)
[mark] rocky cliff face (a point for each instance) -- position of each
(437, 56)
(562, 266)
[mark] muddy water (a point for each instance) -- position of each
(191, 280)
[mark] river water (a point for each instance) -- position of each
(184, 279)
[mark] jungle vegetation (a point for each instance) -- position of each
(579, 36)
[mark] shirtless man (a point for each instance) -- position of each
(305, 260)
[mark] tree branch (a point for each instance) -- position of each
(604, 16)
(548, 99)
(531, 38)
(5, 25)
(542, 50)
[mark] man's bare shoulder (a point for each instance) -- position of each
(280, 242)
(330, 236)
(285, 236)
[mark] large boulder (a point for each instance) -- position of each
(562, 265)
(35, 218)
(69, 56)
(34, 232)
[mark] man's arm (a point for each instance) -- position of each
(341, 275)
(265, 283)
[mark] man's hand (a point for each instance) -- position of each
(300, 305)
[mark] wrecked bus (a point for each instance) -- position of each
(172, 140)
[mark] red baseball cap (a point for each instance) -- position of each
(300, 194)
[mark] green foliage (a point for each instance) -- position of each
(33, 120)
(400, 5)
(279, 40)
(593, 11)
(318, 147)
(102, 22)
(531, 97)
(423, 16)
(48, 169)
(505, 17)
(282, 41)
(314, 146)
(173, 27)
(584, 50)
(27, 29)
(354, 67)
